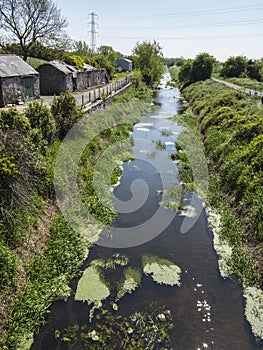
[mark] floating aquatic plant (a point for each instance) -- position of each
(173, 198)
(91, 287)
(254, 309)
(141, 330)
(162, 271)
(159, 145)
(132, 279)
(189, 211)
(151, 155)
(166, 132)
(111, 262)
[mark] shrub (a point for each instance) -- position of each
(74, 60)
(65, 112)
(11, 119)
(40, 117)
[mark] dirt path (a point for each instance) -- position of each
(240, 88)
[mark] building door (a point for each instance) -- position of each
(27, 88)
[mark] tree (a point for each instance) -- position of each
(178, 61)
(195, 70)
(149, 60)
(102, 61)
(255, 70)
(81, 48)
(234, 67)
(107, 58)
(30, 20)
(185, 73)
(202, 67)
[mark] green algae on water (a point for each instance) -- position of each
(111, 262)
(132, 279)
(161, 270)
(91, 287)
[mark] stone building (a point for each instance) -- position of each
(57, 77)
(19, 82)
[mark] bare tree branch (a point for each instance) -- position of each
(31, 20)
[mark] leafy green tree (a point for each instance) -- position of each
(255, 70)
(185, 73)
(178, 61)
(202, 67)
(81, 48)
(29, 20)
(102, 61)
(234, 67)
(149, 60)
(195, 70)
(107, 58)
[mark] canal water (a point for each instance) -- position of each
(207, 310)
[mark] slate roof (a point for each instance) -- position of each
(88, 67)
(62, 66)
(125, 59)
(13, 66)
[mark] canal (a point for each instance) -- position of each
(207, 310)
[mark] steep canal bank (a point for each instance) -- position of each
(171, 252)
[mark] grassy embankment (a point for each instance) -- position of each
(231, 128)
(40, 253)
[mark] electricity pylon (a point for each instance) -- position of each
(93, 33)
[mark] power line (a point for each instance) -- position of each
(230, 36)
(207, 12)
(193, 25)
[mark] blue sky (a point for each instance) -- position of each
(183, 28)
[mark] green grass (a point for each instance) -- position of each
(35, 62)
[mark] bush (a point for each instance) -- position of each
(11, 119)
(40, 117)
(74, 60)
(66, 113)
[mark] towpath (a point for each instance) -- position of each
(247, 91)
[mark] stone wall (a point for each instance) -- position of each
(12, 90)
(52, 80)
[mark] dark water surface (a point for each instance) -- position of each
(207, 309)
